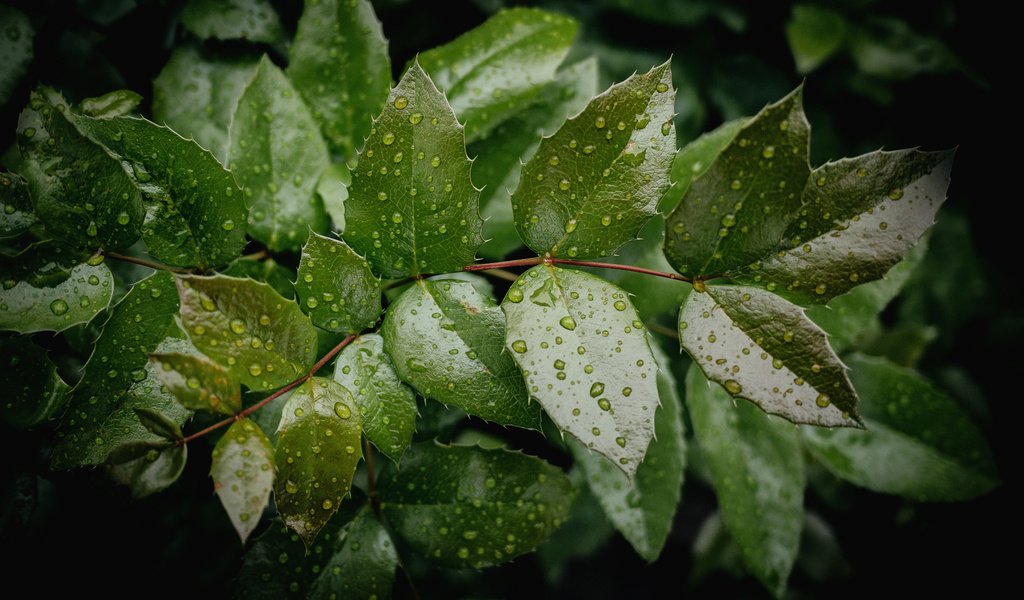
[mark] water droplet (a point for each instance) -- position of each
(596, 390)
(768, 152)
(396, 218)
(619, 305)
(895, 194)
(733, 386)
(416, 118)
(570, 225)
(666, 128)
(469, 535)
(342, 410)
(255, 370)
(291, 488)
(606, 220)
(519, 346)
(822, 400)
(564, 185)
(58, 307)
(661, 87)
(123, 218)
(604, 404)
(621, 441)
(596, 431)
(820, 289)
(227, 225)
(238, 326)
(567, 322)
(777, 363)
(401, 102)
(599, 123)
(388, 138)
(327, 505)
(435, 161)
(312, 302)
(515, 295)
(788, 336)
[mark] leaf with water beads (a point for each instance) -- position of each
(198, 383)
(16, 212)
(695, 158)
(34, 391)
(243, 474)
(336, 287)
(151, 472)
(253, 20)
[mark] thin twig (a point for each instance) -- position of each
(521, 262)
(501, 274)
(536, 260)
(143, 262)
(666, 331)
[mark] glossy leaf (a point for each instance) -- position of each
(158, 424)
(510, 57)
(446, 341)
(918, 444)
(156, 469)
(336, 287)
(198, 383)
(15, 50)
(586, 359)
(363, 564)
(333, 191)
(263, 340)
(317, 452)
(592, 185)
(243, 473)
(814, 34)
(758, 475)
(463, 506)
(697, 157)
(276, 153)
(387, 406)
(412, 206)
(340, 65)
(16, 212)
(113, 104)
(253, 20)
(34, 391)
(268, 271)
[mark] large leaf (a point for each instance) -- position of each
(317, 452)
(363, 564)
(262, 339)
(764, 349)
(16, 212)
(387, 406)
(918, 444)
(586, 359)
(593, 184)
(198, 383)
(34, 391)
(463, 506)
(758, 475)
(276, 152)
(412, 207)
(15, 50)
(446, 340)
(253, 20)
(336, 287)
(697, 157)
(340, 65)
(243, 473)
(490, 72)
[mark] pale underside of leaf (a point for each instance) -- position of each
(243, 474)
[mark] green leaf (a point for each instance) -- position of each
(266, 270)
(887, 47)
(16, 212)
(764, 349)
(511, 57)
(51, 288)
(317, 452)
(253, 20)
(276, 153)
(158, 424)
(592, 185)
(363, 564)
(387, 406)
(584, 533)
(264, 340)
(463, 506)
(196, 94)
(585, 356)
(151, 472)
(110, 105)
(198, 383)
(34, 391)
(412, 207)
(919, 443)
(243, 473)
(81, 193)
(336, 287)
(195, 210)
(814, 34)
(333, 191)
(15, 50)
(340, 65)
(758, 475)
(697, 157)
(643, 510)
(737, 210)
(446, 340)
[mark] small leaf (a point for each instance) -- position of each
(512, 56)
(151, 472)
(253, 20)
(243, 473)
(15, 50)
(340, 65)
(268, 271)
(34, 391)
(16, 212)
(585, 356)
(446, 341)
(697, 157)
(919, 443)
(412, 207)
(387, 406)
(592, 185)
(758, 474)
(814, 34)
(276, 153)
(198, 383)
(262, 339)
(463, 506)
(317, 453)
(158, 423)
(110, 105)
(336, 287)
(363, 564)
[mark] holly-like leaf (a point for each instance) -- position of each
(764, 349)
(243, 473)
(336, 287)
(51, 288)
(15, 50)
(387, 406)
(758, 475)
(363, 564)
(276, 152)
(110, 105)
(814, 33)
(317, 452)
(586, 359)
(268, 270)
(253, 20)
(446, 340)
(412, 207)
(34, 391)
(16, 212)
(463, 506)
(81, 193)
(512, 56)
(918, 444)
(697, 157)
(340, 65)
(156, 469)
(592, 185)
(263, 340)
(198, 383)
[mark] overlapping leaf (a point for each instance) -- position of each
(336, 287)
(34, 391)
(157, 468)
(16, 213)
(198, 383)
(112, 104)
(363, 564)
(243, 473)
(253, 20)
(697, 157)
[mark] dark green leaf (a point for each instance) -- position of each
(110, 105)
(584, 533)
(336, 287)
(16, 212)
(412, 207)
(697, 157)
(758, 474)
(33, 390)
(266, 270)
(243, 473)
(585, 356)
(691, 12)
(151, 472)
(888, 47)
(446, 340)
(15, 50)
(363, 564)
(276, 153)
(253, 20)
(918, 444)
(158, 423)
(317, 452)
(592, 185)
(464, 506)
(198, 383)
(814, 34)
(490, 72)
(340, 65)
(262, 339)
